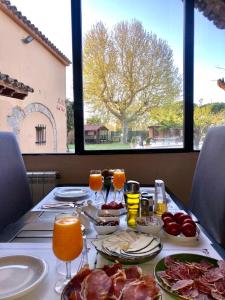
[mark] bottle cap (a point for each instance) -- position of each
(132, 187)
(146, 195)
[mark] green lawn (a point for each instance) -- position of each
(110, 146)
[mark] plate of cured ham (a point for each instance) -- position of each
(111, 282)
(191, 276)
(127, 246)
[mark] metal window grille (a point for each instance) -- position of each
(40, 134)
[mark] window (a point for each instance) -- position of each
(209, 93)
(40, 134)
(133, 73)
(130, 86)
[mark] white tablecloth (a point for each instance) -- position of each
(29, 241)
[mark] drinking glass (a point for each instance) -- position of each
(95, 181)
(119, 180)
(67, 243)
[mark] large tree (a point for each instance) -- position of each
(70, 115)
(205, 116)
(127, 71)
(168, 116)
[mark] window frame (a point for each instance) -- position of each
(40, 134)
(188, 81)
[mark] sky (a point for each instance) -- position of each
(163, 17)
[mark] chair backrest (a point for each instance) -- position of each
(15, 197)
(207, 200)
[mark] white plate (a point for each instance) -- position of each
(20, 274)
(142, 247)
(181, 238)
(70, 193)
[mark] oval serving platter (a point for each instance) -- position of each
(182, 257)
(141, 255)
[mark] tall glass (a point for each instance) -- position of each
(67, 243)
(119, 180)
(95, 181)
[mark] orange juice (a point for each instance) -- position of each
(95, 182)
(67, 238)
(119, 179)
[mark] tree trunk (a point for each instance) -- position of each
(124, 127)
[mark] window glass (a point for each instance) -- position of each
(133, 74)
(209, 67)
(36, 90)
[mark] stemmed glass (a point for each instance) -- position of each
(119, 180)
(67, 243)
(95, 181)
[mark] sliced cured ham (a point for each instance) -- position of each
(213, 275)
(217, 296)
(133, 272)
(112, 283)
(140, 290)
(220, 286)
(78, 279)
(180, 284)
(111, 270)
(96, 286)
(118, 286)
(221, 264)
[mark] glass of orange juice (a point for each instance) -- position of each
(95, 181)
(67, 243)
(119, 180)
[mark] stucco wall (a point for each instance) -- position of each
(35, 66)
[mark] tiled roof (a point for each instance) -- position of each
(94, 127)
(214, 10)
(13, 88)
(12, 10)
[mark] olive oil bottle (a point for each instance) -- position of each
(133, 200)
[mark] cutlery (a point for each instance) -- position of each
(58, 205)
(95, 221)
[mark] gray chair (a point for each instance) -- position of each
(15, 197)
(207, 200)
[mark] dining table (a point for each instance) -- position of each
(32, 234)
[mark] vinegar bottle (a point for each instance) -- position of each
(160, 197)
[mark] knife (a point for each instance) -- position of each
(58, 205)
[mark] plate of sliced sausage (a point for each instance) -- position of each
(191, 276)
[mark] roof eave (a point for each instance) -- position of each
(33, 31)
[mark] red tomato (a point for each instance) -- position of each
(177, 215)
(182, 218)
(189, 221)
(167, 220)
(104, 206)
(167, 214)
(188, 229)
(173, 228)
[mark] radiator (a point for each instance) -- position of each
(41, 183)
